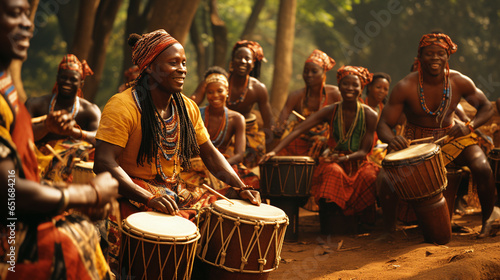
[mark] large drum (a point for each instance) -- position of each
(83, 172)
(157, 246)
(419, 177)
(416, 172)
(241, 241)
(286, 176)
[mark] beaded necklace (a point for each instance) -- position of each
(446, 96)
(169, 144)
(322, 103)
(74, 109)
(346, 137)
(219, 137)
(242, 96)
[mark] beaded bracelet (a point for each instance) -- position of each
(471, 128)
(64, 201)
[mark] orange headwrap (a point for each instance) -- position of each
(364, 75)
(71, 62)
(258, 52)
(440, 39)
(149, 46)
(322, 59)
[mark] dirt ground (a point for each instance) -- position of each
(364, 256)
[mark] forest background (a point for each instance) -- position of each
(378, 34)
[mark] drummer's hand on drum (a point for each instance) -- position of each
(60, 122)
(266, 157)
(398, 143)
(251, 195)
(165, 204)
(106, 188)
(459, 130)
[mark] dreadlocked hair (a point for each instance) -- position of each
(152, 128)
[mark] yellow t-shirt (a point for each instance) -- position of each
(121, 125)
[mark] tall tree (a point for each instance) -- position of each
(173, 16)
(285, 36)
(82, 40)
(219, 31)
(103, 26)
(253, 19)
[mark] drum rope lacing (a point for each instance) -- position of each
(276, 237)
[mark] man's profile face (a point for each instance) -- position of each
(15, 29)
(433, 59)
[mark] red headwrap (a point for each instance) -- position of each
(440, 39)
(149, 46)
(364, 75)
(71, 62)
(258, 52)
(322, 59)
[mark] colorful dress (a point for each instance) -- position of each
(60, 247)
(350, 184)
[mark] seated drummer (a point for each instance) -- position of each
(71, 121)
(344, 179)
(47, 244)
(149, 133)
(426, 98)
(314, 96)
(222, 124)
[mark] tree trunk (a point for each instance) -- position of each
(219, 32)
(66, 15)
(105, 18)
(82, 41)
(174, 16)
(136, 23)
(253, 19)
(199, 48)
(17, 64)
(285, 34)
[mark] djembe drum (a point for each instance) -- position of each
(286, 181)
(83, 172)
(241, 240)
(157, 246)
(419, 177)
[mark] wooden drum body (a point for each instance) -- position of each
(286, 176)
(157, 246)
(242, 241)
(416, 172)
(83, 172)
(418, 175)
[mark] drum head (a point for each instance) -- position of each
(250, 118)
(414, 151)
(85, 165)
(246, 210)
(159, 224)
(290, 159)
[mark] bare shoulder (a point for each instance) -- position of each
(405, 86)
(235, 116)
(89, 107)
(460, 79)
(258, 87)
(370, 114)
(38, 106)
(333, 91)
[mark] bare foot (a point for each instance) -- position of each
(488, 225)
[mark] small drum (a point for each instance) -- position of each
(286, 176)
(494, 159)
(242, 240)
(251, 119)
(416, 172)
(83, 172)
(157, 246)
